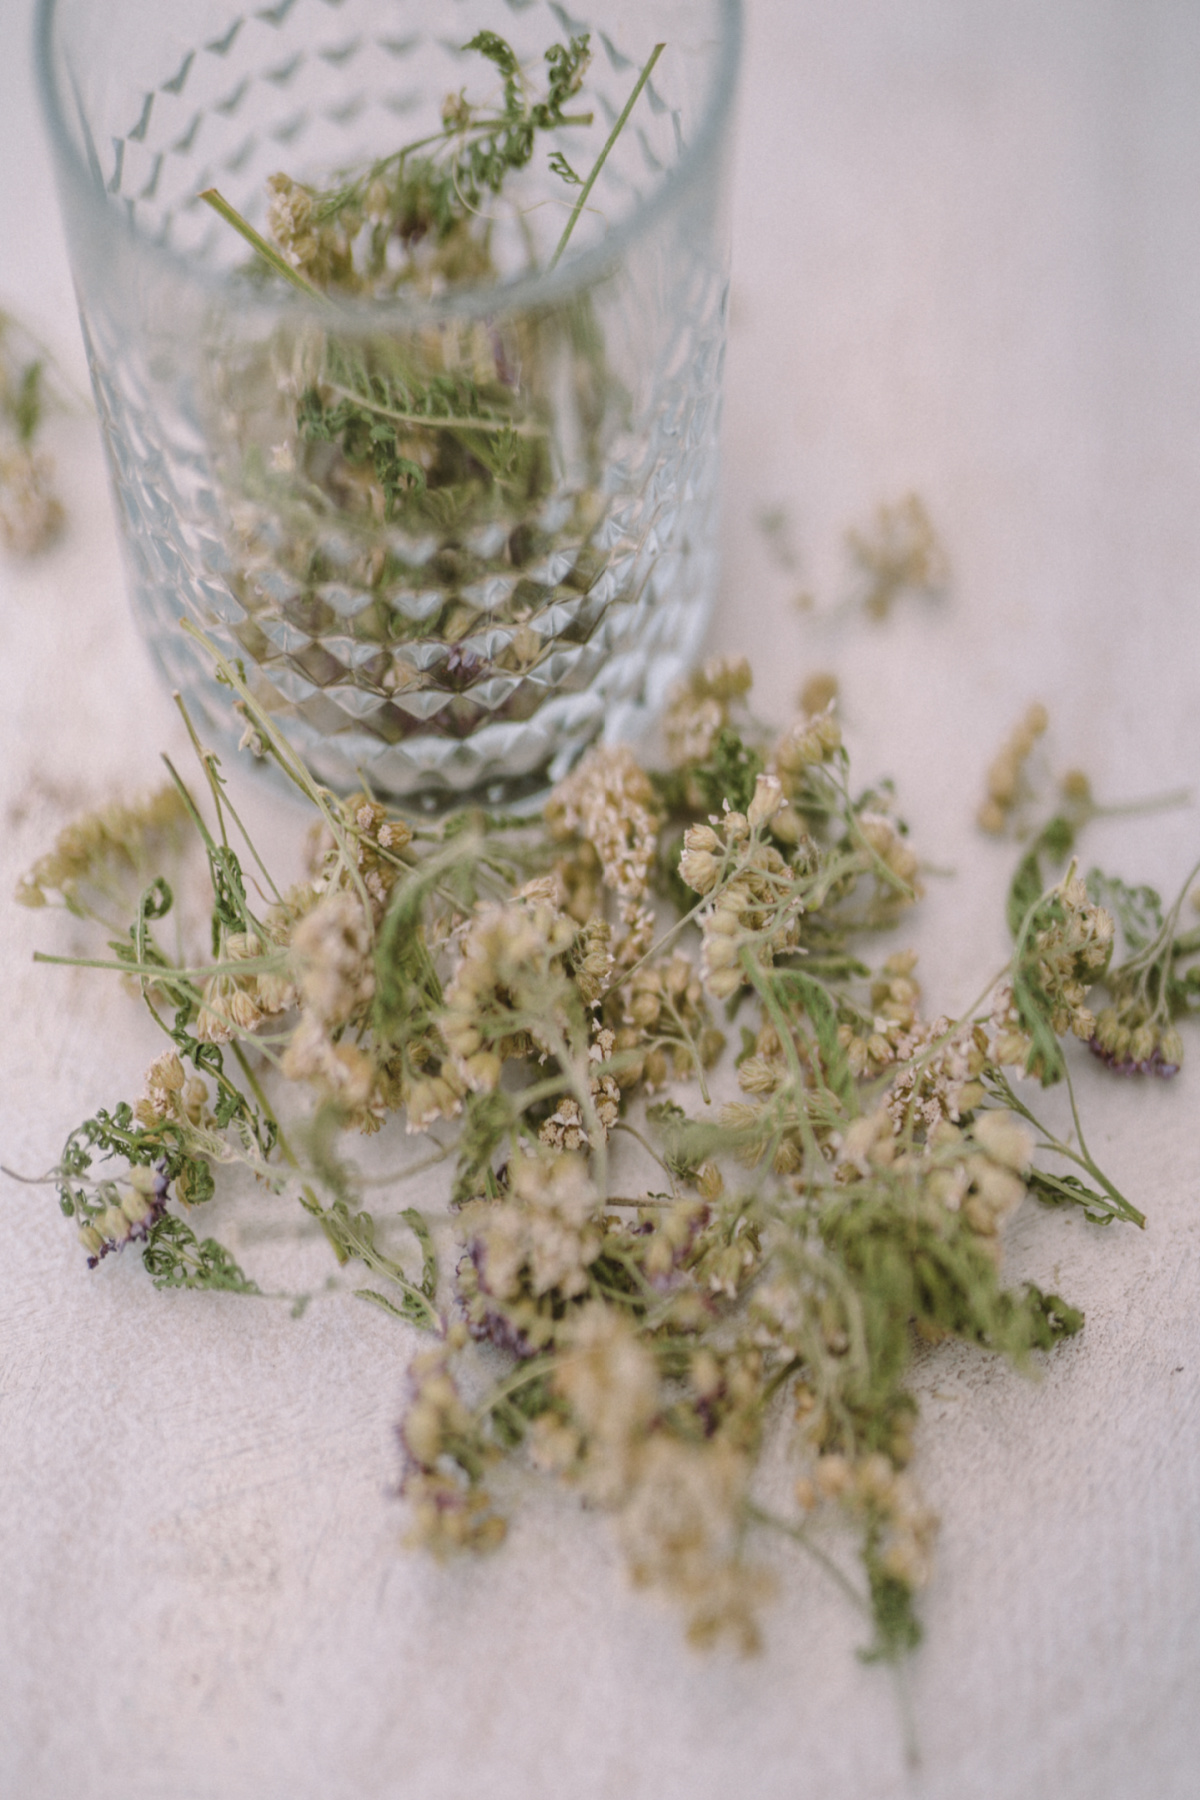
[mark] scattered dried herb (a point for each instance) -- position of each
(525, 994)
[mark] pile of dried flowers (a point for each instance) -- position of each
(521, 992)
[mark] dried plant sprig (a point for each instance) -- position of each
(900, 552)
(1156, 984)
(417, 213)
(1006, 772)
(1059, 954)
(513, 985)
(31, 514)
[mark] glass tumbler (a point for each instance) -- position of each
(458, 524)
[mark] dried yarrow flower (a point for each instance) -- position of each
(681, 1530)
(331, 958)
(443, 1459)
(31, 514)
(567, 1128)
(781, 1253)
(609, 802)
(899, 553)
(1006, 772)
(115, 839)
(700, 707)
(757, 910)
(510, 986)
(940, 1079)
(1071, 952)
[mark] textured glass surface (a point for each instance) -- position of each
(470, 647)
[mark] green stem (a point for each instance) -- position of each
(600, 161)
(1082, 1158)
(166, 973)
(812, 1150)
(759, 1516)
(289, 760)
(524, 1376)
(270, 255)
(221, 800)
(457, 422)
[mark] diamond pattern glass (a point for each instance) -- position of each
(463, 650)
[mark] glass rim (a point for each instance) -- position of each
(525, 292)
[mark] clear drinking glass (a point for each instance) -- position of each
(503, 546)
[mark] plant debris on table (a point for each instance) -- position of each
(523, 993)
(31, 514)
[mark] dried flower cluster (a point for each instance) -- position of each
(1069, 934)
(522, 993)
(1005, 774)
(900, 553)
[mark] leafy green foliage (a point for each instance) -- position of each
(1033, 1009)
(1137, 910)
(362, 438)
(176, 1258)
(118, 1134)
(407, 988)
(731, 772)
(912, 1262)
(562, 167)
(26, 405)
(430, 438)
(814, 997)
(728, 773)
(1055, 841)
(352, 1235)
(436, 190)
(488, 1121)
(677, 1137)
(898, 1631)
(1068, 1190)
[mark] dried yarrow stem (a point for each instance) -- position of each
(528, 989)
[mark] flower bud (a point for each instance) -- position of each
(115, 1225)
(832, 1476)
(195, 1098)
(768, 798)
(136, 1207)
(422, 1430)
(874, 1478)
(243, 1011)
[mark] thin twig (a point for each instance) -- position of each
(600, 161)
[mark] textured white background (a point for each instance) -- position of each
(967, 260)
